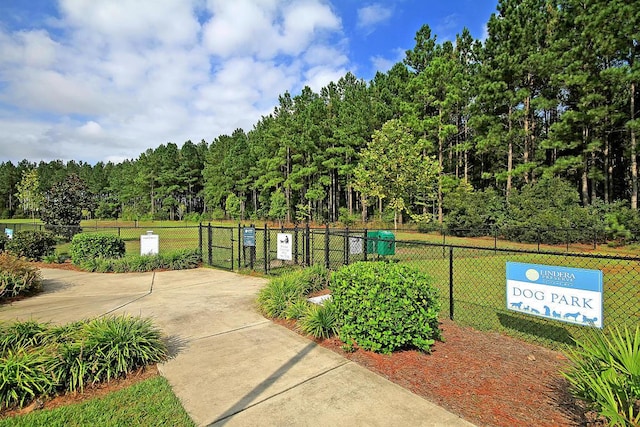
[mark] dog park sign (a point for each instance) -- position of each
(572, 295)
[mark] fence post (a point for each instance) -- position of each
(231, 244)
(451, 304)
(495, 238)
(595, 239)
(346, 246)
(118, 231)
(326, 246)
(295, 244)
(200, 239)
(567, 234)
(266, 248)
(538, 240)
(364, 247)
(307, 246)
(209, 244)
(239, 246)
(444, 239)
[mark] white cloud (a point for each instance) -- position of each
(108, 79)
(370, 16)
(485, 33)
(384, 64)
(90, 128)
(266, 28)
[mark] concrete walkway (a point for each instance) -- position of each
(231, 366)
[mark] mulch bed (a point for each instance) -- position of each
(485, 377)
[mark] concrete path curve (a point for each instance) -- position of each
(230, 365)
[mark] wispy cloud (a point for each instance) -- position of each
(371, 16)
(384, 64)
(447, 28)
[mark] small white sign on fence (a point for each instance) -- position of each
(149, 244)
(285, 247)
(355, 245)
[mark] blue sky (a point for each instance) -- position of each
(103, 80)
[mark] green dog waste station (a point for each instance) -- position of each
(381, 242)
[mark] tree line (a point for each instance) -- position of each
(551, 94)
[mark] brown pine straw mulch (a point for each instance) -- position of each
(485, 377)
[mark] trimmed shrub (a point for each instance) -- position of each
(385, 307)
(17, 276)
(31, 244)
(91, 246)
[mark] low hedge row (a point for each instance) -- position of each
(177, 260)
(95, 246)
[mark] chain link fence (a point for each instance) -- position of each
(472, 279)
(172, 238)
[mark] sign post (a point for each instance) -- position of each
(572, 295)
(249, 241)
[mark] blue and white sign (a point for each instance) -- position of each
(249, 236)
(9, 232)
(572, 295)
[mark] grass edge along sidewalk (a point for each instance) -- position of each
(146, 403)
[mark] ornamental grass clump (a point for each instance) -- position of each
(320, 321)
(39, 358)
(385, 307)
(280, 293)
(24, 375)
(605, 373)
(17, 276)
(282, 296)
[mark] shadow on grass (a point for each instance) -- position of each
(535, 328)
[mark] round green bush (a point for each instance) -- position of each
(385, 307)
(86, 247)
(31, 244)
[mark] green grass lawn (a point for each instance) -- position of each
(479, 279)
(147, 403)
